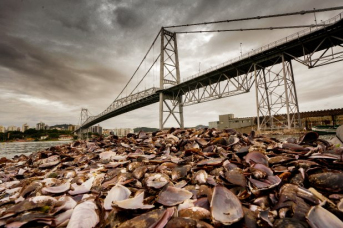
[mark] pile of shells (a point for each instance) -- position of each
(176, 178)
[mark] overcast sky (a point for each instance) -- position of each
(57, 56)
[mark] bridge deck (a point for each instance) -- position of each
(268, 57)
(151, 99)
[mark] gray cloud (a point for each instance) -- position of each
(127, 18)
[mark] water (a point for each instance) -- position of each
(10, 149)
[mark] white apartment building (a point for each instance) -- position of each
(12, 128)
(25, 127)
(40, 126)
(122, 131)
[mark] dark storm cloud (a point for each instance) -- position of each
(39, 70)
(127, 18)
(81, 23)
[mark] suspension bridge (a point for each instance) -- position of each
(268, 68)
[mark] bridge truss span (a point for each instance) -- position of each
(223, 86)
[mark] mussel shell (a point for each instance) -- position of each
(84, 215)
(202, 142)
(133, 203)
(256, 157)
(318, 217)
(289, 223)
(197, 213)
(268, 183)
(139, 172)
(179, 222)
(38, 217)
(308, 138)
(294, 147)
(225, 206)
(263, 168)
(243, 151)
(156, 180)
(57, 189)
(148, 219)
(117, 193)
(211, 162)
(328, 181)
(200, 177)
(236, 176)
(179, 172)
(171, 196)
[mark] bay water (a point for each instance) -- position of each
(10, 149)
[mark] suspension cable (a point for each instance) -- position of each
(146, 74)
(139, 65)
(260, 17)
(252, 29)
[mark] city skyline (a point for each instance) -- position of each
(59, 56)
(34, 126)
(38, 126)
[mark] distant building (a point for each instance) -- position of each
(12, 128)
(122, 131)
(213, 124)
(40, 126)
(25, 127)
(228, 121)
(96, 129)
(71, 127)
(2, 129)
(117, 131)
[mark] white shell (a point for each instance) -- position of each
(117, 193)
(84, 216)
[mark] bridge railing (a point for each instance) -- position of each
(270, 46)
(119, 103)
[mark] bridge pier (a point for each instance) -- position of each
(275, 95)
(169, 74)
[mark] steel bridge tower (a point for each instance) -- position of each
(275, 95)
(84, 116)
(169, 75)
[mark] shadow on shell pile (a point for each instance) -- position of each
(176, 178)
